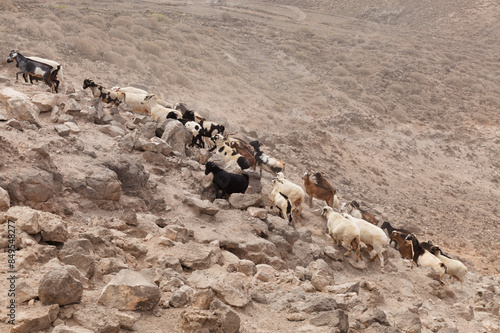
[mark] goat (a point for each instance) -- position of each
(244, 149)
(354, 210)
(227, 153)
(422, 257)
(270, 164)
(106, 95)
(281, 201)
(33, 68)
(294, 192)
(188, 114)
(343, 231)
(321, 192)
(387, 226)
(157, 111)
(454, 268)
(134, 98)
(57, 71)
(225, 182)
(404, 246)
(374, 237)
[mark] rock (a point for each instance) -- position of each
(321, 277)
(350, 287)
(181, 296)
(19, 106)
(113, 130)
(72, 106)
(130, 217)
(228, 287)
(73, 128)
(14, 123)
(371, 316)
(228, 319)
(130, 290)
(127, 320)
(246, 267)
(70, 329)
(195, 320)
(176, 135)
(243, 201)
(176, 233)
(44, 102)
(203, 298)
(62, 130)
(35, 318)
(407, 321)
(161, 146)
(103, 320)
(127, 143)
(195, 256)
(99, 116)
(265, 273)
(95, 182)
(53, 228)
(82, 245)
(25, 292)
(84, 263)
(55, 114)
(132, 175)
(335, 318)
(26, 218)
(202, 206)
(260, 213)
(148, 130)
(33, 185)
(59, 287)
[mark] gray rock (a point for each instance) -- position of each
(407, 321)
(73, 128)
(113, 130)
(70, 329)
(344, 288)
(22, 109)
(202, 206)
(14, 123)
(260, 213)
(35, 319)
(53, 228)
(176, 135)
(243, 201)
(62, 130)
(26, 218)
(59, 287)
(130, 290)
(83, 262)
(103, 320)
(181, 296)
(132, 175)
(72, 106)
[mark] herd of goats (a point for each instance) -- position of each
(348, 225)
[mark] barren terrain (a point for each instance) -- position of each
(395, 102)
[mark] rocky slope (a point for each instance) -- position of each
(400, 115)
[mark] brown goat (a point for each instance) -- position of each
(244, 149)
(321, 192)
(404, 246)
(363, 214)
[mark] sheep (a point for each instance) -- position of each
(374, 237)
(404, 246)
(343, 231)
(270, 164)
(422, 257)
(321, 192)
(227, 153)
(106, 95)
(33, 68)
(294, 192)
(225, 182)
(281, 201)
(387, 226)
(354, 210)
(454, 268)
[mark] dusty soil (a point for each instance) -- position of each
(396, 102)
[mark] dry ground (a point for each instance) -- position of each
(395, 101)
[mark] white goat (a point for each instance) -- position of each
(281, 201)
(343, 231)
(454, 268)
(228, 154)
(143, 103)
(131, 90)
(293, 191)
(156, 110)
(371, 235)
(423, 257)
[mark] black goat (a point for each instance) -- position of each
(34, 68)
(225, 182)
(387, 226)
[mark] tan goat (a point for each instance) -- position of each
(323, 190)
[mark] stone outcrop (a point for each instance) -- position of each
(59, 286)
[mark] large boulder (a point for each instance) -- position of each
(53, 228)
(94, 182)
(26, 218)
(130, 290)
(19, 106)
(176, 135)
(59, 287)
(195, 256)
(44, 102)
(131, 174)
(35, 318)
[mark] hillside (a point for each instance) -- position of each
(394, 101)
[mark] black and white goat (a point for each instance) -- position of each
(422, 257)
(228, 154)
(403, 232)
(34, 68)
(104, 94)
(270, 164)
(225, 182)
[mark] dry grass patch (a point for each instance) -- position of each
(94, 20)
(7, 5)
(151, 48)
